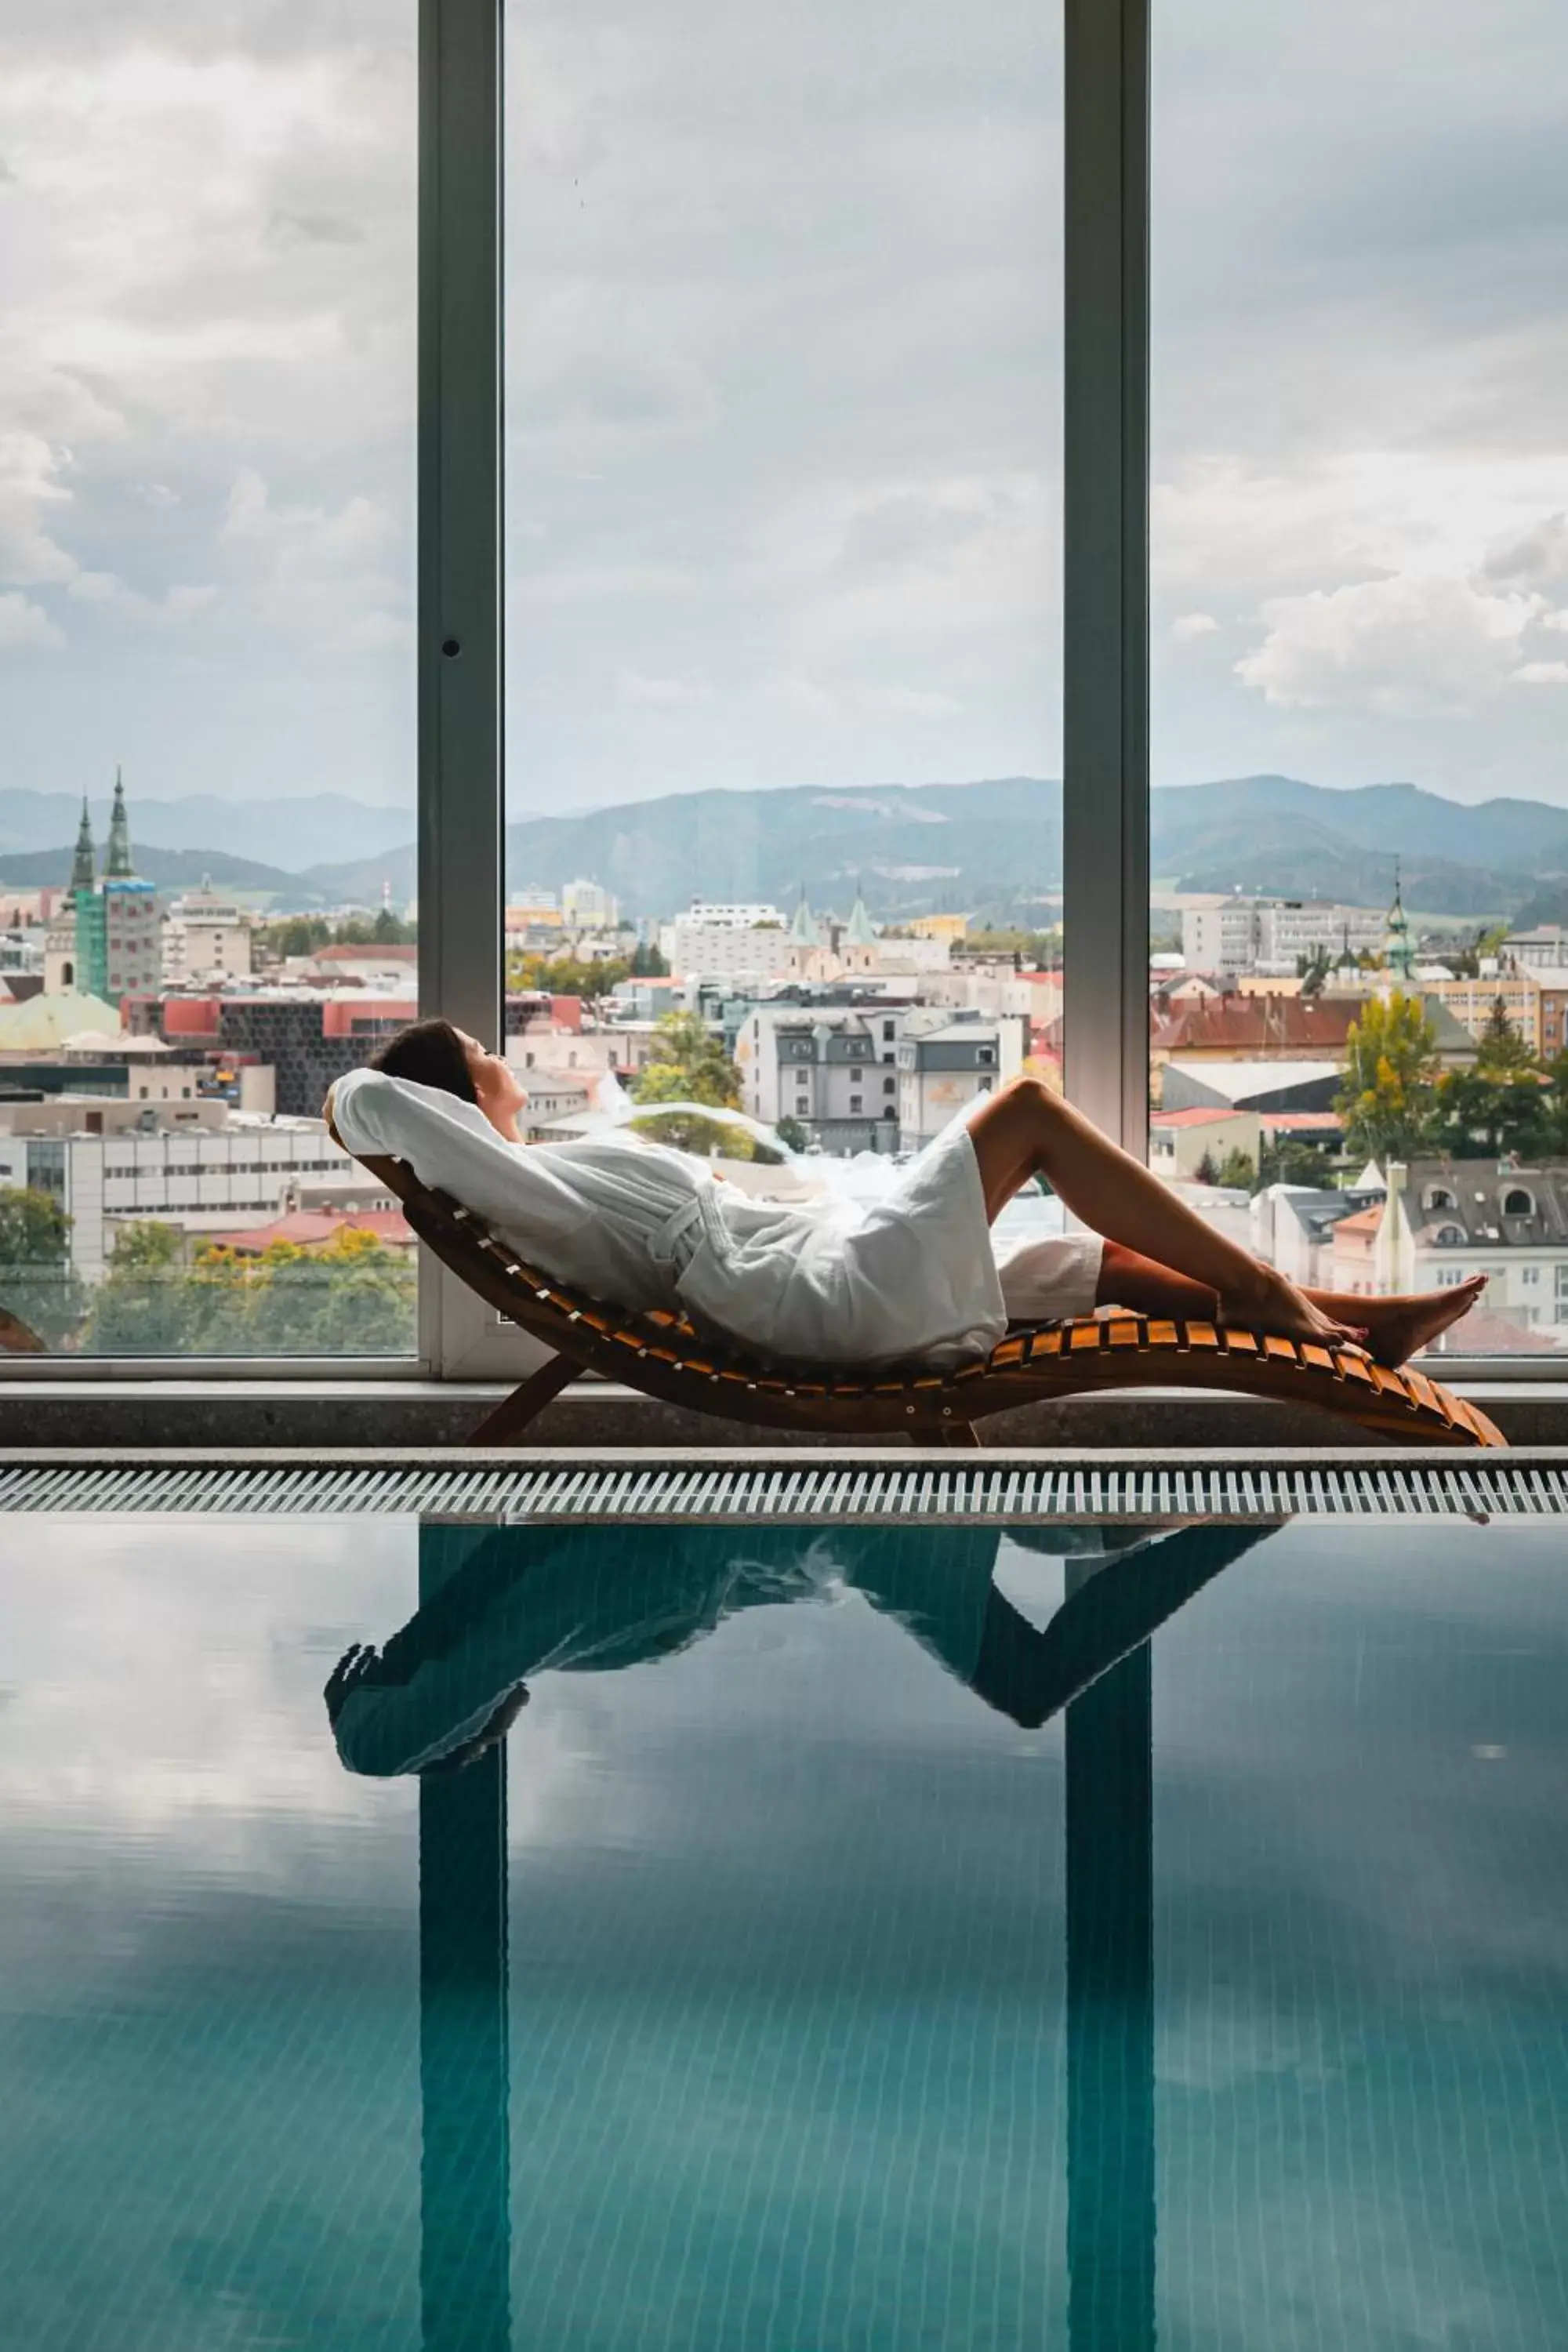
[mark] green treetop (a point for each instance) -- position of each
(1390, 1062)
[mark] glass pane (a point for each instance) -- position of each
(1361, 569)
(784, 698)
(207, 766)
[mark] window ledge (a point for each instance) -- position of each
(397, 1413)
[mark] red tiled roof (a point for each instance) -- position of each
(313, 1228)
(1363, 1221)
(1202, 1115)
(1302, 1122)
(1249, 1026)
(359, 955)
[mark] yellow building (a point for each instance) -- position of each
(951, 928)
(1472, 1001)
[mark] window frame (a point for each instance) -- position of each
(460, 574)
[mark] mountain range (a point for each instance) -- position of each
(992, 848)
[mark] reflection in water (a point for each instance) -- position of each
(499, 1604)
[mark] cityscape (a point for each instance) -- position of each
(1371, 1102)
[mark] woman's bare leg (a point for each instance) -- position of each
(1398, 1327)
(1025, 1131)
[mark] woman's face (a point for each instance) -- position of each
(500, 1096)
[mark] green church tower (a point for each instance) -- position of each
(1399, 948)
(91, 970)
(119, 868)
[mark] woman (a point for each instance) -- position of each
(910, 1276)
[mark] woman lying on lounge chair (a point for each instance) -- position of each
(913, 1276)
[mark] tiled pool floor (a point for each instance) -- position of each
(858, 1938)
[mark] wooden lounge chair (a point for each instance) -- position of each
(667, 1358)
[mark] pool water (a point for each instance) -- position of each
(781, 1941)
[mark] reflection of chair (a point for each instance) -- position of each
(1094, 1660)
(666, 1357)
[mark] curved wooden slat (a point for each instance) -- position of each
(665, 1356)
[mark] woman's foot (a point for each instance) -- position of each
(1272, 1304)
(1400, 1328)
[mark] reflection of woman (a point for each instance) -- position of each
(516, 1601)
(910, 1276)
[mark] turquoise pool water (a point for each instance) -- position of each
(861, 1937)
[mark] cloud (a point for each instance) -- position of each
(911, 703)
(663, 693)
(1403, 644)
(31, 489)
(1537, 560)
(1187, 625)
(25, 623)
(1543, 673)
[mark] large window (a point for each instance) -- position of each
(207, 273)
(1361, 576)
(744, 662)
(782, 571)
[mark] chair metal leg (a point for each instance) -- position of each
(514, 1412)
(958, 1432)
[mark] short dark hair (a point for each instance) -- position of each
(432, 1053)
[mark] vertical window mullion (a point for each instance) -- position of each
(461, 613)
(1105, 652)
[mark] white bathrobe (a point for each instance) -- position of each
(910, 1276)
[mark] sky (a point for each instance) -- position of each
(784, 396)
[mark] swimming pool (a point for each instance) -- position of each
(788, 1936)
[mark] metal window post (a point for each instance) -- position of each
(1105, 653)
(461, 611)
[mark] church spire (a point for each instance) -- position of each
(803, 931)
(1399, 949)
(84, 866)
(119, 868)
(858, 933)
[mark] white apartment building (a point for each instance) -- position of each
(871, 1078)
(1442, 1220)
(832, 1069)
(196, 1165)
(945, 1060)
(586, 906)
(1271, 935)
(709, 946)
(206, 937)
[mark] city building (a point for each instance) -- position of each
(1544, 949)
(1473, 1002)
(1283, 1085)
(1293, 1227)
(205, 938)
(1444, 1219)
(709, 945)
(586, 906)
(832, 1070)
(945, 1061)
(308, 1037)
(1181, 1141)
(1272, 935)
(196, 1165)
(114, 946)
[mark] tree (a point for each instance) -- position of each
(1207, 1171)
(564, 975)
(1478, 1117)
(355, 1296)
(1289, 1160)
(1391, 1061)
(1502, 1052)
(38, 1283)
(141, 1306)
(1239, 1170)
(648, 963)
(688, 1065)
(791, 1134)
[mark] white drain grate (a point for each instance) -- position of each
(870, 1490)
